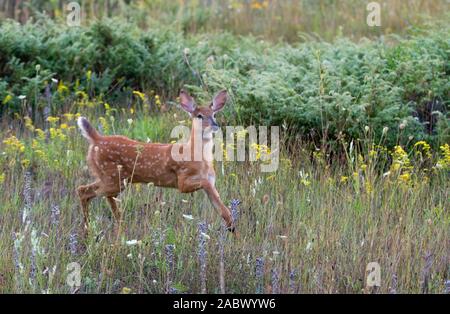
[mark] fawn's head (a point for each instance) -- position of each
(205, 114)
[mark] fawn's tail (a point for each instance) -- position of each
(87, 130)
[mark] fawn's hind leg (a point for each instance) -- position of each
(110, 191)
(116, 212)
(86, 193)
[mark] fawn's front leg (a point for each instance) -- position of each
(188, 185)
(214, 197)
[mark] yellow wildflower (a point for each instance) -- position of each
(25, 163)
(82, 95)
(405, 177)
(29, 123)
(139, 94)
(344, 179)
(368, 187)
(52, 120)
(423, 148)
(372, 153)
(157, 101)
(305, 182)
(40, 153)
(261, 150)
(40, 134)
(444, 162)
(7, 99)
(35, 144)
(57, 133)
(62, 89)
(400, 158)
(68, 116)
(14, 145)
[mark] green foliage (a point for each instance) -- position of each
(331, 91)
(321, 91)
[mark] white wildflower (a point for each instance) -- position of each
(188, 217)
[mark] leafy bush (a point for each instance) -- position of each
(322, 91)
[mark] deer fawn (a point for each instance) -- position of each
(117, 160)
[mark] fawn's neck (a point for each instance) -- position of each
(200, 143)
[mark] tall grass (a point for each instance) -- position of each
(272, 19)
(310, 227)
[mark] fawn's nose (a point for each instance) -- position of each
(214, 126)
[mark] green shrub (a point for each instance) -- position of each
(320, 91)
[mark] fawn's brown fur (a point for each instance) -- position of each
(116, 160)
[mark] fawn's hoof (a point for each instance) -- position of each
(232, 229)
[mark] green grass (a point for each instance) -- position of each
(355, 183)
(321, 220)
(291, 20)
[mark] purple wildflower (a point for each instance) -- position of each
(259, 274)
(202, 253)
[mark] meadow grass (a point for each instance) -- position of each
(310, 227)
(290, 20)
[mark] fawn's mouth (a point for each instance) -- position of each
(211, 129)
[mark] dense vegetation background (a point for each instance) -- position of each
(318, 90)
(364, 160)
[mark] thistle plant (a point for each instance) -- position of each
(222, 235)
(17, 240)
(234, 209)
(27, 194)
(393, 288)
(73, 243)
(447, 287)
(36, 252)
(275, 281)
(202, 253)
(292, 281)
(169, 252)
(259, 275)
(221, 240)
(55, 215)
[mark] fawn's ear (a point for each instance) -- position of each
(219, 101)
(187, 102)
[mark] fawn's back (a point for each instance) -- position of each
(119, 158)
